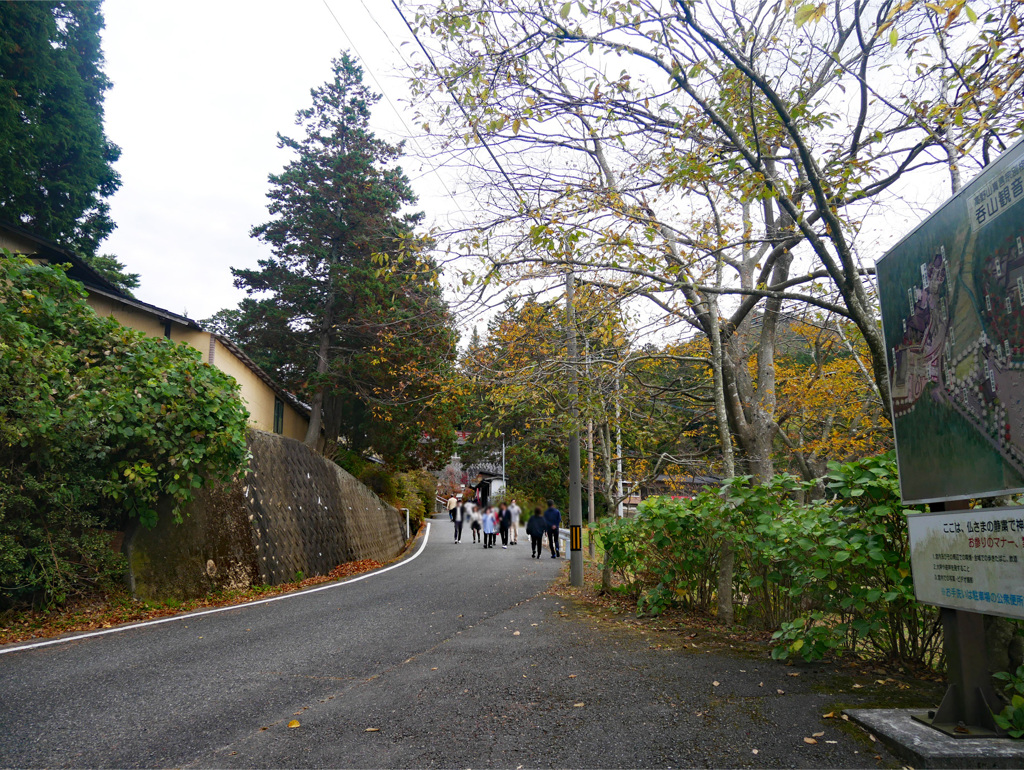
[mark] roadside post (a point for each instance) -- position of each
(951, 295)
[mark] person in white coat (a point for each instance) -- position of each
(516, 512)
(475, 520)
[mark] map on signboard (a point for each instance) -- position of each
(952, 298)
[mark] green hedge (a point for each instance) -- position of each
(828, 576)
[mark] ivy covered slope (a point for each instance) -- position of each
(97, 423)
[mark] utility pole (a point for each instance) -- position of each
(618, 445)
(590, 466)
(575, 490)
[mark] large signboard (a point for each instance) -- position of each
(952, 298)
(970, 560)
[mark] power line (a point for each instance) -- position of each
(383, 92)
(458, 102)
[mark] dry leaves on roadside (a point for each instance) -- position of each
(294, 723)
(810, 740)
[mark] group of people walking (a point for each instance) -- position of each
(486, 523)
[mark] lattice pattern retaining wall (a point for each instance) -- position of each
(294, 512)
(309, 515)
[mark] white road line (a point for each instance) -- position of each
(189, 616)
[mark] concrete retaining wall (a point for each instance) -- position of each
(295, 512)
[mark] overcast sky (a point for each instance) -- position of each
(200, 89)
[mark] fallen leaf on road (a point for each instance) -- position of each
(754, 751)
(572, 676)
(793, 673)
(434, 668)
(372, 730)
(577, 705)
(294, 723)
(817, 735)
(715, 684)
(760, 684)
(873, 738)
(264, 728)
(533, 624)
(829, 715)
(515, 633)
(780, 692)
(810, 740)
(845, 718)
(857, 686)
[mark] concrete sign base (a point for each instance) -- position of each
(922, 746)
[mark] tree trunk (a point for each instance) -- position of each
(727, 558)
(316, 408)
(590, 488)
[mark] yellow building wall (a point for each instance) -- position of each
(15, 245)
(258, 397)
(131, 317)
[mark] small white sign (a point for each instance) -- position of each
(970, 560)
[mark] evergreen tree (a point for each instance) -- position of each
(347, 310)
(56, 170)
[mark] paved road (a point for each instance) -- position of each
(455, 659)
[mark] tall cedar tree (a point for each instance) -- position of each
(56, 169)
(353, 330)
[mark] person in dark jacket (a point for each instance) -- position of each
(535, 528)
(458, 514)
(504, 523)
(553, 517)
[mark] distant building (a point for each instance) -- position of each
(271, 408)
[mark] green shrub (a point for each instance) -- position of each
(415, 490)
(665, 555)
(377, 478)
(97, 423)
(1011, 718)
(829, 576)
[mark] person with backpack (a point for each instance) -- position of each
(535, 528)
(553, 517)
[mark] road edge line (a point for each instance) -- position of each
(214, 610)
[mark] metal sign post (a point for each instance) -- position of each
(948, 558)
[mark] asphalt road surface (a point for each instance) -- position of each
(455, 658)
